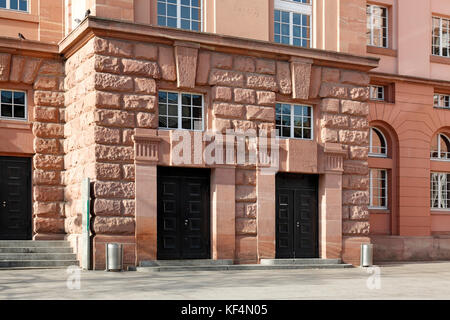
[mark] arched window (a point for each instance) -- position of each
(440, 147)
(377, 143)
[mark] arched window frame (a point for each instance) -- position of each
(377, 154)
(438, 154)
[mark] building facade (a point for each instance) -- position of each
(120, 91)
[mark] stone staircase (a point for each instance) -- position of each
(224, 265)
(36, 254)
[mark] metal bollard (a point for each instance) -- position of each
(114, 257)
(366, 255)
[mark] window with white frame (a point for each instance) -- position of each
(377, 26)
(182, 14)
(442, 101)
(294, 121)
(17, 5)
(180, 110)
(440, 147)
(376, 93)
(13, 105)
(292, 22)
(440, 45)
(378, 189)
(440, 190)
(377, 143)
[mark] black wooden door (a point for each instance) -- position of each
(183, 213)
(15, 198)
(296, 216)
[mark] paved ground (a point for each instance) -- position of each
(400, 281)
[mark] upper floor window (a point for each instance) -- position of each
(378, 189)
(440, 188)
(377, 143)
(442, 101)
(441, 37)
(377, 93)
(18, 5)
(13, 105)
(377, 26)
(292, 22)
(294, 121)
(182, 14)
(440, 147)
(180, 110)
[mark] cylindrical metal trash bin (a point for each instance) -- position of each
(366, 255)
(114, 257)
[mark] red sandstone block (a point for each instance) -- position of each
(146, 51)
(45, 114)
(267, 98)
(359, 123)
(46, 83)
(222, 94)
(245, 193)
(330, 105)
(358, 153)
(107, 171)
(284, 79)
(330, 75)
(48, 162)
(48, 193)
(114, 225)
(166, 63)
(128, 172)
(48, 130)
(331, 90)
(41, 177)
(334, 121)
(244, 96)
(47, 146)
(355, 227)
(246, 177)
(108, 100)
(221, 125)
(110, 82)
(354, 137)
(355, 107)
(146, 120)
(107, 64)
(5, 66)
(107, 135)
(113, 47)
(245, 226)
(244, 64)
(105, 189)
(261, 113)
(114, 153)
(141, 68)
(30, 70)
(355, 77)
(228, 110)
(48, 98)
(127, 135)
(52, 67)
(316, 81)
(203, 67)
(48, 225)
(361, 94)
(144, 85)
(186, 62)
(114, 118)
(107, 207)
(221, 61)
(356, 167)
(140, 103)
(354, 182)
(355, 197)
(48, 209)
(242, 125)
(226, 78)
(301, 78)
(128, 207)
(264, 82)
(17, 65)
(359, 212)
(265, 66)
(329, 135)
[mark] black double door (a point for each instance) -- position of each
(183, 213)
(15, 198)
(296, 216)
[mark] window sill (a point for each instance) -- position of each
(15, 124)
(440, 160)
(18, 15)
(379, 210)
(440, 211)
(439, 59)
(382, 51)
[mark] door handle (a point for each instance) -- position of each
(186, 222)
(4, 204)
(298, 224)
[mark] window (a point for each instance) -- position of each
(292, 22)
(13, 105)
(376, 93)
(440, 190)
(442, 101)
(441, 37)
(180, 110)
(182, 14)
(377, 26)
(377, 143)
(440, 147)
(378, 189)
(18, 5)
(294, 121)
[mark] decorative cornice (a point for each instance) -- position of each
(334, 157)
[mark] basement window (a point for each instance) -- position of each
(377, 93)
(292, 22)
(181, 14)
(180, 110)
(442, 101)
(13, 105)
(440, 188)
(294, 121)
(16, 5)
(378, 189)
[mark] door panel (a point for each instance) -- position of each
(15, 198)
(183, 214)
(296, 216)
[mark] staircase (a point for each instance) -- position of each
(36, 254)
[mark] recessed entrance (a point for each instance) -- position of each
(296, 216)
(15, 198)
(183, 213)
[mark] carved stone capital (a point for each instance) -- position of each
(146, 147)
(334, 157)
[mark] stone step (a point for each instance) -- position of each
(37, 256)
(307, 261)
(36, 250)
(33, 243)
(194, 262)
(37, 263)
(241, 267)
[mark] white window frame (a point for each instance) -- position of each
(374, 154)
(438, 151)
(441, 47)
(179, 16)
(179, 110)
(439, 96)
(443, 203)
(25, 106)
(378, 88)
(386, 197)
(291, 125)
(371, 25)
(8, 7)
(300, 8)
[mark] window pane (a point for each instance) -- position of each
(6, 97)
(172, 22)
(197, 100)
(186, 111)
(13, 4)
(173, 123)
(163, 122)
(173, 110)
(6, 110)
(186, 123)
(172, 97)
(197, 112)
(19, 98)
(19, 112)
(2, 3)
(171, 10)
